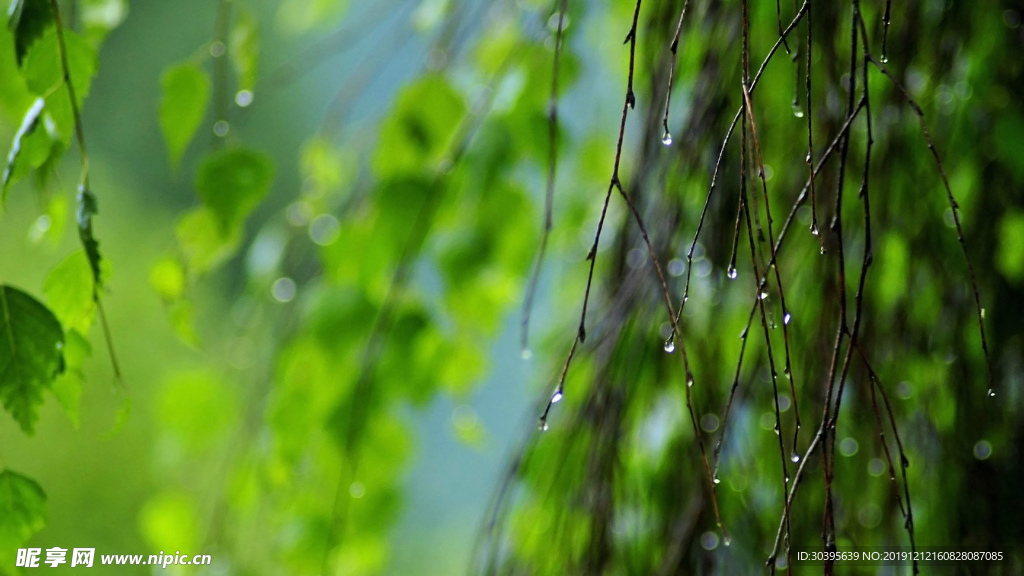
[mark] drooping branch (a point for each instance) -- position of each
(549, 188)
(87, 204)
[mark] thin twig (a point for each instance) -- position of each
(549, 189)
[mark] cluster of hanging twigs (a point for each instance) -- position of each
(858, 107)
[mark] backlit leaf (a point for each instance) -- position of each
(68, 290)
(43, 71)
(245, 49)
(30, 354)
(417, 133)
(232, 183)
(28, 125)
(22, 510)
(186, 92)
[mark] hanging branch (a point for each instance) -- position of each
(954, 207)
(885, 32)
(908, 511)
(549, 189)
(830, 416)
(721, 155)
(810, 140)
(630, 103)
(87, 204)
(666, 139)
(759, 295)
(788, 370)
(581, 331)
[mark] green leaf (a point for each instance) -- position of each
(186, 92)
(301, 15)
(99, 17)
(169, 521)
(22, 509)
(28, 19)
(232, 183)
(244, 49)
(202, 243)
(196, 406)
(87, 208)
(1010, 254)
(418, 132)
(68, 290)
(28, 125)
(43, 72)
(30, 354)
(167, 278)
(14, 93)
(67, 388)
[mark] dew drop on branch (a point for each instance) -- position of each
(795, 458)
(785, 318)
(670, 345)
(798, 111)
(731, 273)
(556, 397)
(667, 139)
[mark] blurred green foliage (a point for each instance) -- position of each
(303, 263)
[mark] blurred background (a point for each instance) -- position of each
(338, 382)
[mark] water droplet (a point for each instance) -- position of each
(787, 374)
(982, 313)
(727, 541)
(221, 127)
(822, 250)
(689, 381)
(543, 426)
(795, 457)
(731, 273)
(991, 393)
(982, 450)
(786, 478)
(667, 138)
(284, 289)
(717, 480)
(885, 58)
(776, 429)
(763, 295)
(670, 345)
(243, 98)
(556, 397)
(526, 354)
(814, 229)
(798, 111)
(785, 318)
(904, 462)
